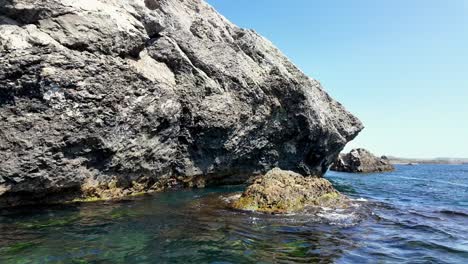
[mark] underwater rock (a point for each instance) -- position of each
(280, 191)
(150, 94)
(361, 161)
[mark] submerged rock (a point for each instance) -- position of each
(281, 191)
(107, 98)
(361, 161)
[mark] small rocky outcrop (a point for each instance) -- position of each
(280, 191)
(107, 98)
(361, 161)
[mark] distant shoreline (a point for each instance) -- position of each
(436, 161)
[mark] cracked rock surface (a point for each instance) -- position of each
(107, 98)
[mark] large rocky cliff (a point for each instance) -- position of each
(104, 98)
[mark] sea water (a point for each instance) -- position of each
(417, 214)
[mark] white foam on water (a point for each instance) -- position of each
(230, 198)
(340, 217)
(360, 200)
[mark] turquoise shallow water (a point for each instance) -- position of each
(418, 214)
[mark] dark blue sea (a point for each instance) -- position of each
(417, 214)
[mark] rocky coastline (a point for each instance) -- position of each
(114, 98)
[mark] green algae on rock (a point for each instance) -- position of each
(281, 191)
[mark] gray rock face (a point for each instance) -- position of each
(112, 97)
(361, 161)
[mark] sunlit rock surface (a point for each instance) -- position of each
(281, 191)
(108, 98)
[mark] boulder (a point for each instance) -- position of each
(280, 191)
(108, 98)
(361, 161)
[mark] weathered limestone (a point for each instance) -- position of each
(144, 95)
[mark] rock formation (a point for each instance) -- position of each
(107, 98)
(281, 191)
(361, 161)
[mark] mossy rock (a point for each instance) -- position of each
(281, 191)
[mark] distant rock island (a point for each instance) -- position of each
(361, 161)
(109, 98)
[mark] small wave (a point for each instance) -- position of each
(453, 212)
(360, 200)
(428, 229)
(435, 246)
(414, 224)
(339, 217)
(424, 215)
(436, 181)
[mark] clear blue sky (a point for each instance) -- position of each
(401, 66)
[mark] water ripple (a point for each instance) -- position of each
(414, 215)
